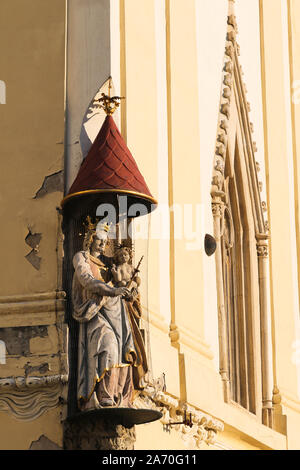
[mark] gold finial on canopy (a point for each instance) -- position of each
(109, 103)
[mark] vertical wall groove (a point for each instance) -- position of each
(170, 163)
(294, 144)
(123, 70)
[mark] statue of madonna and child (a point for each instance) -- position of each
(111, 353)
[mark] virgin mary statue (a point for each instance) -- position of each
(111, 352)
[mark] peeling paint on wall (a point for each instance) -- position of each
(42, 369)
(43, 443)
(17, 339)
(33, 240)
(51, 183)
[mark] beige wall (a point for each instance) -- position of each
(32, 124)
(282, 175)
(32, 35)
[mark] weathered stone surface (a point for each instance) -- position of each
(92, 433)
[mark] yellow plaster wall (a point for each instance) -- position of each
(32, 133)
(32, 65)
(19, 435)
(184, 158)
(138, 75)
(280, 193)
(293, 11)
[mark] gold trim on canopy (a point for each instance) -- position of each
(117, 191)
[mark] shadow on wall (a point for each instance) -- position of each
(94, 117)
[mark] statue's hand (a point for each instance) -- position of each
(114, 272)
(129, 298)
(122, 291)
(114, 269)
(134, 292)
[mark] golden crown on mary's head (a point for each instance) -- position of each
(104, 227)
(92, 227)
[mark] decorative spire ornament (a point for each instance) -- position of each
(109, 103)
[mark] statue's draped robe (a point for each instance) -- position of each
(109, 339)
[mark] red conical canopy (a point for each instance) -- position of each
(109, 167)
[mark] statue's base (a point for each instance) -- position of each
(126, 417)
(105, 428)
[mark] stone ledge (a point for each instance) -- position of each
(36, 309)
(40, 296)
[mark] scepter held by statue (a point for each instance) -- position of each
(136, 270)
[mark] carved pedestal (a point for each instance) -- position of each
(91, 433)
(105, 428)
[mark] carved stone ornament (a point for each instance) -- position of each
(262, 250)
(264, 206)
(217, 209)
(227, 93)
(217, 182)
(229, 51)
(222, 138)
(90, 433)
(225, 109)
(27, 398)
(224, 125)
(203, 428)
(231, 20)
(228, 80)
(266, 226)
(219, 166)
(220, 150)
(228, 67)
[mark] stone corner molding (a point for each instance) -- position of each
(204, 429)
(27, 398)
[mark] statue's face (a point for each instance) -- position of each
(99, 244)
(123, 256)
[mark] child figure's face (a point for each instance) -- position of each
(123, 256)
